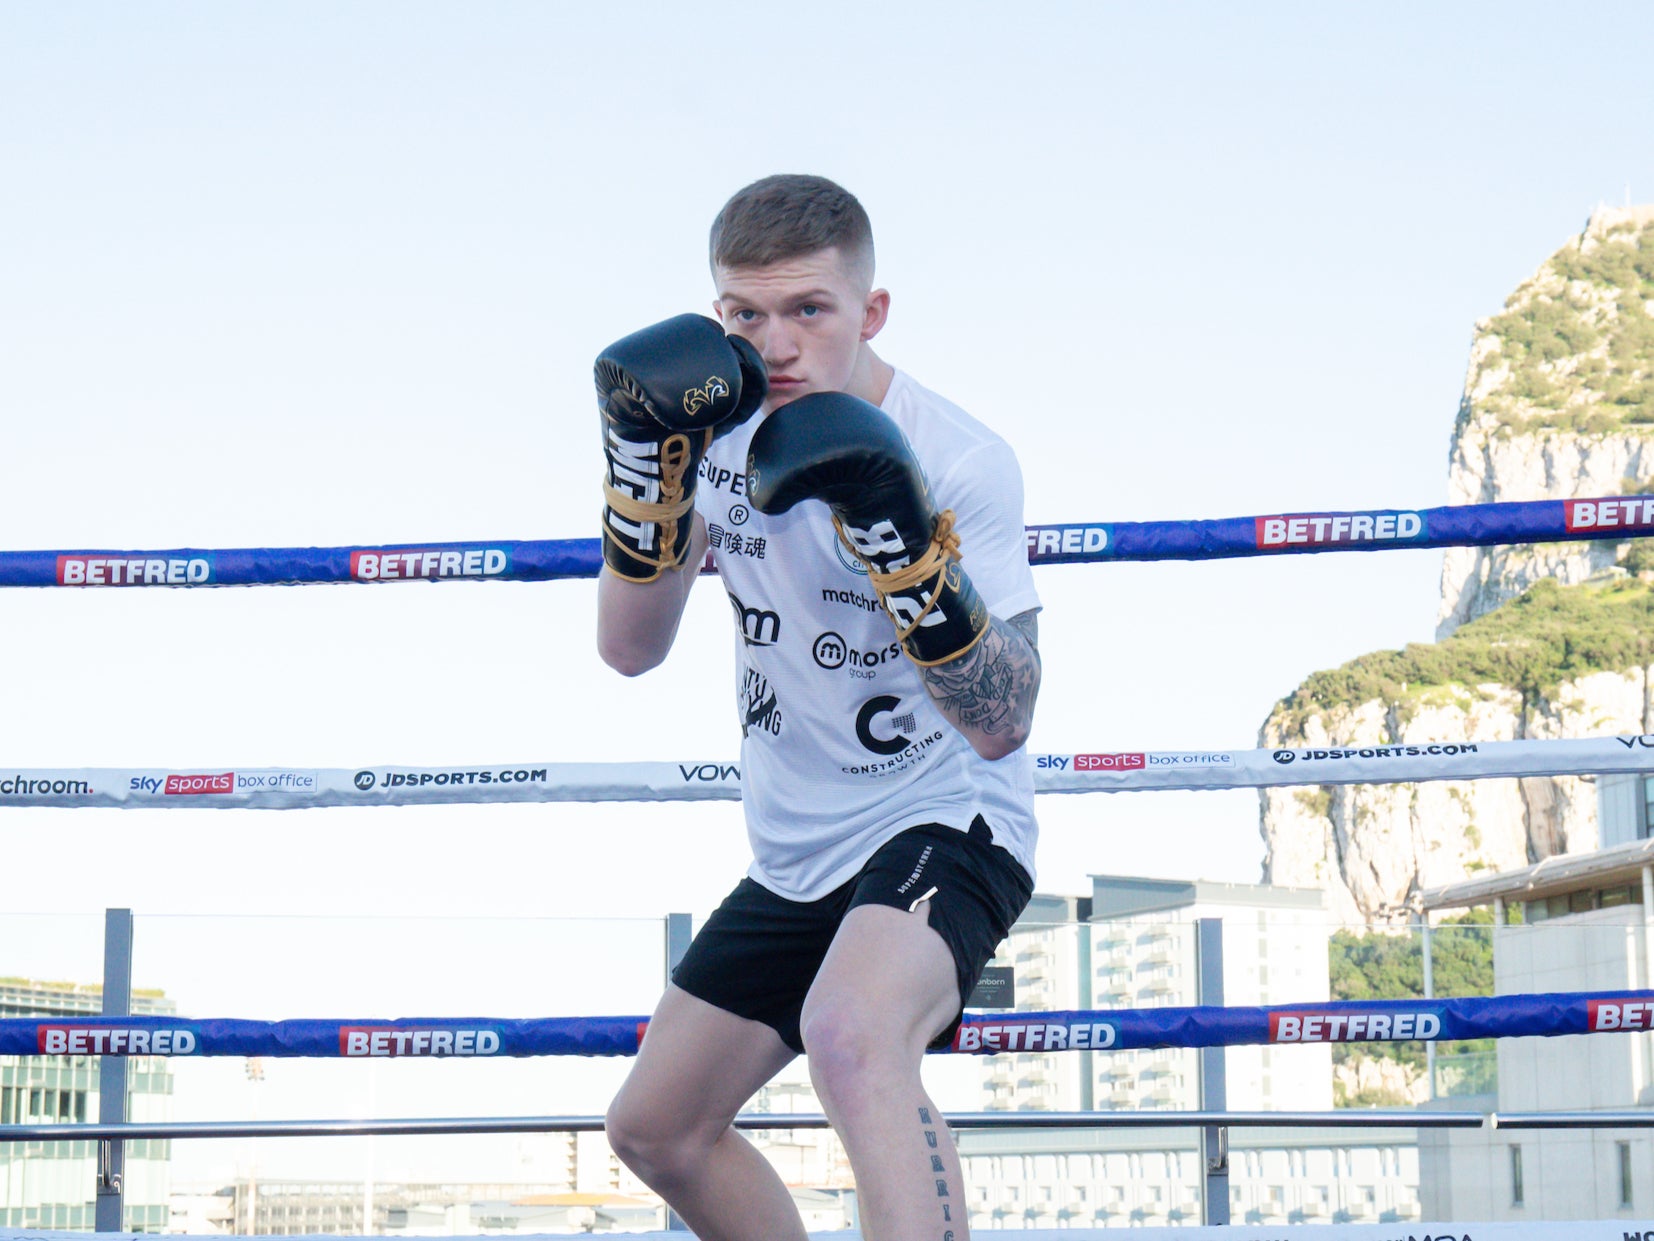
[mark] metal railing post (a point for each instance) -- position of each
(679, 931)
(1429, 994)
(117, 1002)
(1214, 1090)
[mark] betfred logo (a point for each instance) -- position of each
(1336, 529)
(403, 1041)
(1110, 762)
(1034, 1034)
(1047, 541)
(1629, 513)
(421, 563)
(83, 1040)
(1603, 1015)
(133, 571)
(189, 785)
(1290, 1027)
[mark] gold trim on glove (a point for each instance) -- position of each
(677, 500)
(942, 551)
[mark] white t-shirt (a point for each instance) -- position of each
(841, 746)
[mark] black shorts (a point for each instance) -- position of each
(759, 953)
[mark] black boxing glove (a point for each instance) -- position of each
(837, 448)
(665, 394)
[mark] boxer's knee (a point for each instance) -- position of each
(652, 1146)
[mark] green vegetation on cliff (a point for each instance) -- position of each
(1579, 341)
(1379, 966)
(1533, 643)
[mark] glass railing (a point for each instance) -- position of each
(1030, 1176)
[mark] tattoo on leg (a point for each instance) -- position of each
(936, 1165)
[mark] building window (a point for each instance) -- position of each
(1647, 807)
(1516, 1176)
(1624, 1150)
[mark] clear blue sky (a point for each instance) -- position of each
(334, 273)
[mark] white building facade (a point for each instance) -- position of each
(1574, 922)
(1132, 943)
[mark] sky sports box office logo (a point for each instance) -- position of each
(1289, 530)
(413, 564)
(134, 571)
(220, 784)
(1139, 761)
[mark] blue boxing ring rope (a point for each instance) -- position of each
(510, 560)
(1550, 1015)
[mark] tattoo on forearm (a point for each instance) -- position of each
(938, 1169)
(992, 686)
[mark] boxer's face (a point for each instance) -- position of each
(808, 317)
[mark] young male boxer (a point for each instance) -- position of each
(886, 675)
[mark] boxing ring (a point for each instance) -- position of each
(115, 1036)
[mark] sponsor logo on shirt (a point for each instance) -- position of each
(892, 734)
(832, 652)
(733, 542)
(757, 705)
(847, 559)
(722, 478)
(851, 598)
(758, 626)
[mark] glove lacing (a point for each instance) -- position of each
(942, 551)
(675, 503)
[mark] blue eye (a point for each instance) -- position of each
(746, 316)
(809, 312)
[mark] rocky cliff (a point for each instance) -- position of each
(1537, 641)
(1556, 662)
(1558, 403)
